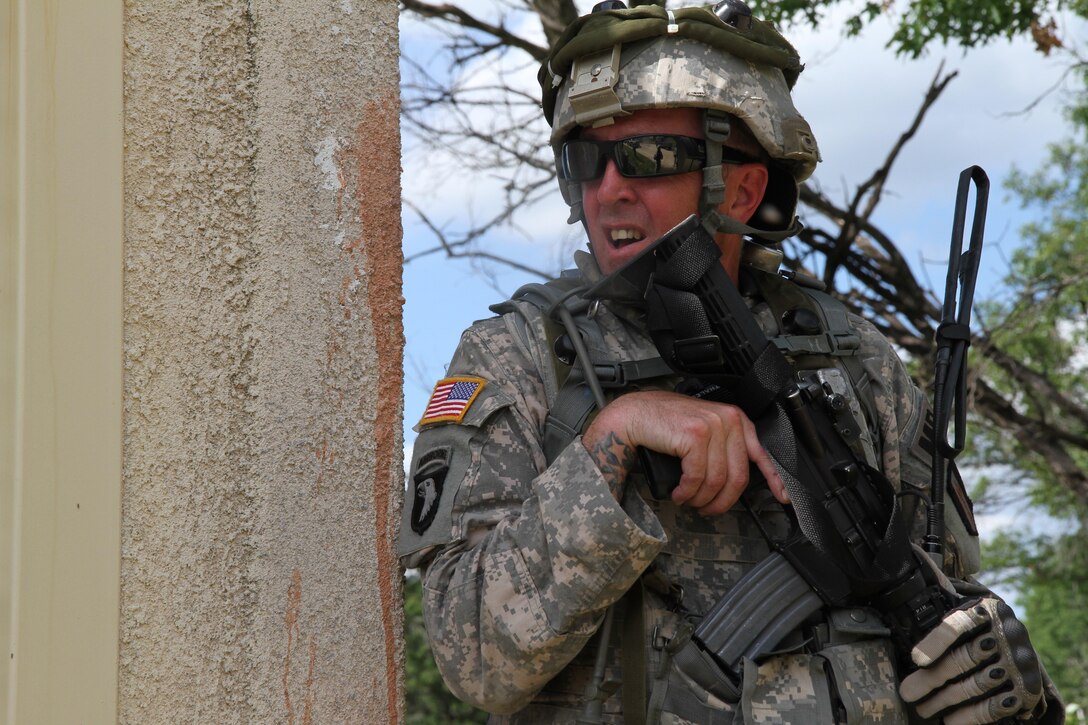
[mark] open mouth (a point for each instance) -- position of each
(623, 237)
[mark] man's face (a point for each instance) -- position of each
(624, 215)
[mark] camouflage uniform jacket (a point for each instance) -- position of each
(521, 558)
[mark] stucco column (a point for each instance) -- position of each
(262, 354)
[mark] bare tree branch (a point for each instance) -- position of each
(461, 248)
(555, 16)
(875, 183)
(1049, 396)
(458, 16)
(1048, 442)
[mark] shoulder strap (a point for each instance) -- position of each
(570, 403)
(811, 321)
(815, 331)
(544, 298)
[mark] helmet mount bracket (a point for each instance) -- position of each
(593, 89)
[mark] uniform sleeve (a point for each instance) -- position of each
(529, 556)
(906, 457)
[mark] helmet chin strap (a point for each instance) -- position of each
(716, 129)
(715, 221)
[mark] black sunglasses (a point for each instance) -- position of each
(639, 156)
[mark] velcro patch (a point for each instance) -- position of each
(429, 481)
(451, 399)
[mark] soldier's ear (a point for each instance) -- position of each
(745, 185)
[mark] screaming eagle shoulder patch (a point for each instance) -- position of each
(428, 483)
(451, 399)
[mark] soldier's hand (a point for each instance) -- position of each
(977, 666)
(714, 442)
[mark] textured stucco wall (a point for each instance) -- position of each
(262, 363)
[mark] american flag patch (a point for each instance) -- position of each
(451, 399)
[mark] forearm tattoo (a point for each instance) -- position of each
(614, 458)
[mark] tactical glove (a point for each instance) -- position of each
(977, 666)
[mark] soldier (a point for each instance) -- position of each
(556, 588)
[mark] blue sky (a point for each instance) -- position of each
(858, 99)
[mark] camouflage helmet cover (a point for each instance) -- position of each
(649, 57)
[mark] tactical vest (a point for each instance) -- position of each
(814, 332)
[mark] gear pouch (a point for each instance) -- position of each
(786, 690)
(866, 680)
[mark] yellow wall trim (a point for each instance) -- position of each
(60, 360)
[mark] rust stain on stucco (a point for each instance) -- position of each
(294, 601)
(291, 617)
(326, 457)
(347, 287)
(308, 700)
(340, 189)
(379, 204)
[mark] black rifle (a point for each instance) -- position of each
(850, 544)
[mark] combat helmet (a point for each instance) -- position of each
(617, 60)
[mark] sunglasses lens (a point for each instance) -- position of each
(648, 156)
(583, 160)
(638, 156)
